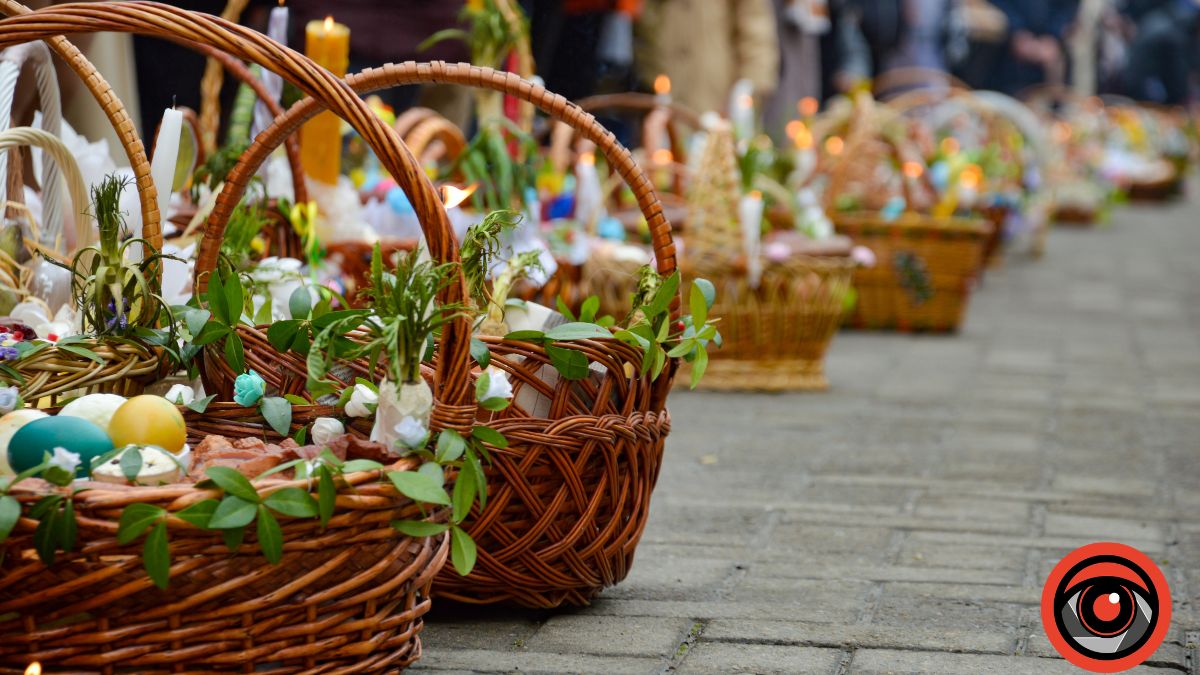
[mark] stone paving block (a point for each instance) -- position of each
(803, 599)
(936, 506)
(894, 662)
(1102, 529)
(972, 558)
(483, 661)
(904, 609)
(629, 635)
(674, 578)
(831, 607)
(722, 657)
(860, 635)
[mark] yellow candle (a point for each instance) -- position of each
(328, 44)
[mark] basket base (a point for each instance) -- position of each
(772, 376)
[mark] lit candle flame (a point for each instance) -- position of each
(281, 2)
(34, 668)
(913, 170)
(663, 156)
(587, 158)
(662, 85)
(755, 194)
(453, 196)
(328, 23)
(800, 134)
(949, 145)
(808, 106)
(746, 101)
(834, 145)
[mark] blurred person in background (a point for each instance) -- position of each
(1159, 53)
(583, 47)
(799, 26)
(986, 29)
(866, 37)
(1036, 30)
(705, 46)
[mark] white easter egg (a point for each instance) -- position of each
(95, 408)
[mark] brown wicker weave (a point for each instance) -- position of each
(950, 251)
(569, 496)
(347, 598)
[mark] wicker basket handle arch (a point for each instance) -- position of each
(113, 109)
(410, 72)
(452, 381)
(37, 56)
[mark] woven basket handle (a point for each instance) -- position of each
(117, 115)
(392, 75)
(452, 381)
(243, 74)
(56, 151)
(11, 62)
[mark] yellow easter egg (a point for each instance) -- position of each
(9, 424)
(148, 420)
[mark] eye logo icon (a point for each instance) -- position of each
(1106, 607)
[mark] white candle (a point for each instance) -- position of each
(750, 213)
(166, 156)
(277, 29)
(589, 195)
(741, 109)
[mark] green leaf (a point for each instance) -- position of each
(450, 446)
(698, 304)
(433, 471)
(526, 336)
(419, 487)
(577, 331)
(234, 300)
(67, 527)
(482, 384)
(471, 463)
(131, 464)
(264, 313)
(587, 312)
(464, 493)
(232, 513)
(233, 483)
(300, 303)
(706, 289)
(211, 332)
(662, 299)
(292, 502)
(156, 555)
(361, 465)
(278, 413)
(419, 528)
(45, 539)
(570, 363)
(326, 495)
(563, 309)
(201, 404)
(279, 467)
(233, 538)
(462, 550)
(195, 319)
(480, 352)
(10, 513)
(281, 334)
(134, 520)
(295, 400)
(495, 403)
(235, 353)
(698, 367)
(270, 536)
(82, 351)
(216, 300)
(199, 514)
(490, 436)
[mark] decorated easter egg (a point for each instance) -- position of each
(95, 408)
(9, 424)
(156, 467)
(33, 441)
(148, 420)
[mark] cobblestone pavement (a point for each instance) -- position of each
(905, 521)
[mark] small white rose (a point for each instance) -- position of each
(180, 394)
(498, 385)
(863, 256)
(411, 433)
(325, 429)
(363, 401)
(65, 459)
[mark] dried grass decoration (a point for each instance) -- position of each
(122, 347)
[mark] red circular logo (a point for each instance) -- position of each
(1106, 607)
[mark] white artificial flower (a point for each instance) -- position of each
(411, 433)
(325, 429)
(180, 394)
(363, 401)
(498, 385)
(65, 459)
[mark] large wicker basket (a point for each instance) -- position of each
(569, 496)
(925, 270)
(346, 598)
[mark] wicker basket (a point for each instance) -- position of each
(346, 598)
(569, 497)
(925, 271)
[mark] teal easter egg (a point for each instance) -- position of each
(33, 441)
